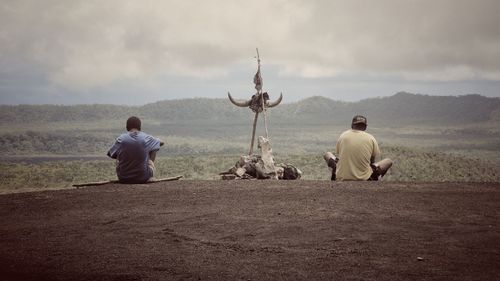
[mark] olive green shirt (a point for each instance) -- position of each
(354, 149)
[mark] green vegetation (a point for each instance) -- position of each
(410, 165)
(62, 143)
(429, 138)
(400, 109)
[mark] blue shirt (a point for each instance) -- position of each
(132, 151)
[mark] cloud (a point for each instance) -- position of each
(85, 44)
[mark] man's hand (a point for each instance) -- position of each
(161, 143)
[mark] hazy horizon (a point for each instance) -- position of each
(134, 53)
(284, 101)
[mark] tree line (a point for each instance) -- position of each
(400, 109)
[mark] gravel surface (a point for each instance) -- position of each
(253, 230)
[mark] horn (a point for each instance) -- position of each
(238, 102)
(273, 104)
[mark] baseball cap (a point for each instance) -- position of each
(359, 119)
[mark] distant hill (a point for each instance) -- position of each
(399, 109)
(411, 108)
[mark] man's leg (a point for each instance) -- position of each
(383, 166)
(331, 161)
(380, 168)
(375, 174)
(152, 155)
(151, 164)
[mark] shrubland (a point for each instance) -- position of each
(429, 138)
(409, 165)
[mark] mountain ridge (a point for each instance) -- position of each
(402, 108)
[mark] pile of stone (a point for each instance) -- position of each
(261, 166)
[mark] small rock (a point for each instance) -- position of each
(240, 172)
(420, 258)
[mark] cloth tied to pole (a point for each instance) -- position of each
(257, 80)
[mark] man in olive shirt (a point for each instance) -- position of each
(356, 150)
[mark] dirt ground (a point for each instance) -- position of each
(253, 230)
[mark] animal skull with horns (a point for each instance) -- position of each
(258, 103)
(255, 103)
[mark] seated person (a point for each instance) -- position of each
(135, 153)
(356, 150)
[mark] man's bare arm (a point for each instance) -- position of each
(152, 155)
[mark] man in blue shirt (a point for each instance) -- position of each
(135, 153)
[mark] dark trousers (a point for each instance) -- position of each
(333, 164)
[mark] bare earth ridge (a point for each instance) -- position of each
(253, 230)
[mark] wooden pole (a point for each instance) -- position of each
(253, 133)
(94, 183)
(116, 181)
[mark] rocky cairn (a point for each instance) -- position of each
(261, 166)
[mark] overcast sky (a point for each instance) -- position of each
(135, 52)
